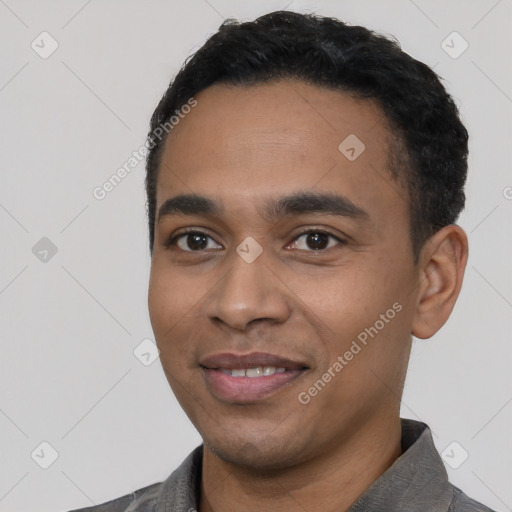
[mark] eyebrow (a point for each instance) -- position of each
(301, 203)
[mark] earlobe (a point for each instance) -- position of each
(442, 265)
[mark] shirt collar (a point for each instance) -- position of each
(416, 482)
(181, 491)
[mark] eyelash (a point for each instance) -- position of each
(191, 231)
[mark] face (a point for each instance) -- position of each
(282, 298)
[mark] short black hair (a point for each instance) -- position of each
(430, 149)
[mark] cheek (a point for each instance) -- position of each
(171, 327)
(176, 310)
(348, 305)
(170, 299)
(160, 304)
(168, 318)
(346, 298)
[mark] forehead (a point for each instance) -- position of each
(250, 142)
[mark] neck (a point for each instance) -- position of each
(332, 481)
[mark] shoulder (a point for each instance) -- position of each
(142, 500)
(463, 503)
(180, 490)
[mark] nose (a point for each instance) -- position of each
(249, 292)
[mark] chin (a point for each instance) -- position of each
(265, 454)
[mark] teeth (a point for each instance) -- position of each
(252, 372)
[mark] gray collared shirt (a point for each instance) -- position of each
(416, 482)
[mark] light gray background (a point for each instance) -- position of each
(69, 325)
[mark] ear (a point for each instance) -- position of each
(442, 264)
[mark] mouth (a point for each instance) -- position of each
(257, 371)
(251, 377)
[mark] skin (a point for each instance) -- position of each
(243, 146)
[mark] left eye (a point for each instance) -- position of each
(316, 240)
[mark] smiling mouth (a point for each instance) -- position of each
(248, 378)
(258, 371)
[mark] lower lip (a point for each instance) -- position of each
(247, 389)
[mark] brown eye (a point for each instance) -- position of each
(316, 240)
(193, 241)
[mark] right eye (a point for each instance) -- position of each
(191, 241)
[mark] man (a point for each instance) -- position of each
(303, 180)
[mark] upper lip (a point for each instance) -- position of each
(229, 360)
